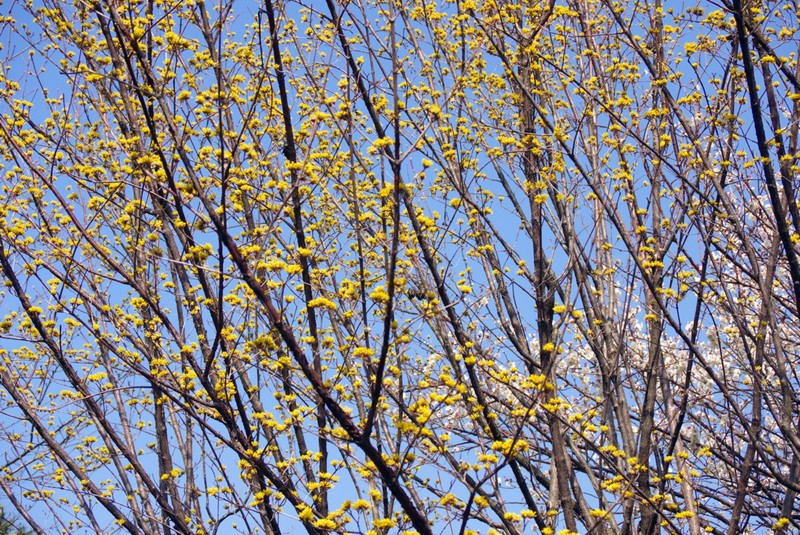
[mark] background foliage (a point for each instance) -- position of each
(383, 267)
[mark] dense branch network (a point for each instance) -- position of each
(399, 267)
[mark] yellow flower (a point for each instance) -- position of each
(379, 294)
(360, 505)
(325, 523)
(381, 523)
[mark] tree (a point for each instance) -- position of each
(394, 267)
(8, 526)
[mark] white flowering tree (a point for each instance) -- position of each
(399, 267)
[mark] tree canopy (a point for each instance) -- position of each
(384, 266)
